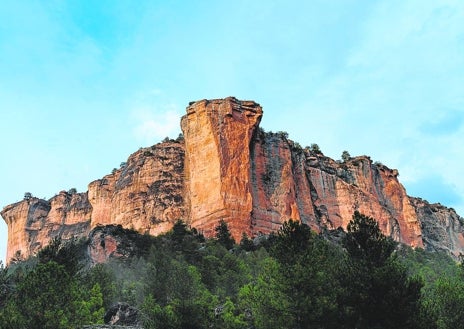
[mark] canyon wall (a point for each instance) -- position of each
(228, 168)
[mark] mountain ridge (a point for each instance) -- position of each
(226, 167)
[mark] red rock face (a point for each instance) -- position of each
(227, 168)
(218, 135)
(290, 183)
(358, 184)
(275, 185)
(146, 194)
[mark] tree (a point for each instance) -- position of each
(379, 293)
(443, 304)
(179, 231)
(365, 242)
(50, 298)
(314, 148)
(266, 299)
(67, 253)
(246, 243)
(223, 235)
(292, 239)
(4, 284)
(104, 277)
(346, 156)
(309, 269)
(27, 196)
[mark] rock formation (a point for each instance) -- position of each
(217, 136)
(226, 167)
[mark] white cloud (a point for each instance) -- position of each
(153, 123)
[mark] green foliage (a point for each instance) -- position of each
(102, 275)
(346, 156)
(158, 317)
(314, 148)
(266, 299)
(292, 239)
(4, 285)
(49, 297)
(429, 266)
(443, 303)
(69, 254)
(27, 196)
(365, 242)
(246, 243)
(293, 278)
(306, 275)
(378, 291)
(223, 235)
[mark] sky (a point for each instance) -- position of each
(83, 84)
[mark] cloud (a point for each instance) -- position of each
(153, 123)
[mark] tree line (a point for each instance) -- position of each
(293, 278)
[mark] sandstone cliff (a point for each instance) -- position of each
(226, 167)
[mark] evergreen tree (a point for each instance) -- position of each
(223, 235)
(49, 298)
(379, 293)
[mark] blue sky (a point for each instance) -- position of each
(85, 83)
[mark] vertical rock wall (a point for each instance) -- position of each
(146, 194)
(33, 223)
(217, 136)
(227, 168)
(274, 184)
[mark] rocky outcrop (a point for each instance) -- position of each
(227, 168)
(218, 136)
(115, 242)
(34, 222)
(122, 314)
(145, 194)
(442, 229)
(289, 182)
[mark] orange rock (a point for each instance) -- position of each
(227, 168)
(218, 135)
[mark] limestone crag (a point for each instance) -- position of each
(226, 167)
(33, 223)
(276, 182)
(291, 182)
(442, 229)
(218, 135)
(145, 194)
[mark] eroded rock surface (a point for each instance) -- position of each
(218, 135)
(227, 168)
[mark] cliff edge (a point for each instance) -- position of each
(226, 167)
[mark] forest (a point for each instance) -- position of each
(293, 278)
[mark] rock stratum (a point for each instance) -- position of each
(226, 167)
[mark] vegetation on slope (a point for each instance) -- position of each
(291, 279)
